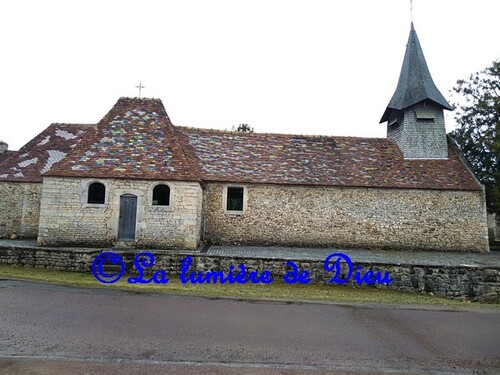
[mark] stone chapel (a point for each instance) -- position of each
(136, 179)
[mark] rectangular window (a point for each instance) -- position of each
(234, 199)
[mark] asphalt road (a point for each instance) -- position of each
(44, 327)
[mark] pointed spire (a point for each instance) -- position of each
(415, 82)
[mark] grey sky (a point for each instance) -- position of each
(308, 67)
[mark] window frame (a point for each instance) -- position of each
(153, 194)
(225, 200)
(157, 208)
(87, 191)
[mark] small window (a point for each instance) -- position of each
(97, 192)
(161, 195)
(234, 199)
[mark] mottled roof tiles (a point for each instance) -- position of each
(136, 140)
(41, 153)
(317, 160)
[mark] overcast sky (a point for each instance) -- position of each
(307, 67)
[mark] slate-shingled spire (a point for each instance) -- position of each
(415, 82)
(414, 116)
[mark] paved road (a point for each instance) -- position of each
(108, 329)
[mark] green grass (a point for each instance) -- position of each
(276, 290)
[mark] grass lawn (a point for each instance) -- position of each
(275, 290)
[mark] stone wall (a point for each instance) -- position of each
(66, 218)
(19, 209)
(474, 283)
(399, 219)
(73, 260)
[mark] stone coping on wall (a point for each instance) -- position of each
(22, 244)
(424, 258)
(416, 258)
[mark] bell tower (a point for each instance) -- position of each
(414, 115)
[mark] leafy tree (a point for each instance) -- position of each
(243, 128)
(477, 114)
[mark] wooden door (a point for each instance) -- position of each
(128, 216)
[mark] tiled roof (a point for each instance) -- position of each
(7, 153)
(312, 160)
(41, 153)
(135, 140)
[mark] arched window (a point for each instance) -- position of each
(161, 195)
(96, 194)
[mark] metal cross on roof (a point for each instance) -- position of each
(140, 87)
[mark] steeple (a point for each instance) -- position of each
(414, 115)
(415, 82)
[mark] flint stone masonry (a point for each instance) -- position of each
(477, 282)
(401, 219)
(19, 209)
(66, 218)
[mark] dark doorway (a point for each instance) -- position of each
(128, 215)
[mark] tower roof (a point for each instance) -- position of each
(415, 82)
(135, 140)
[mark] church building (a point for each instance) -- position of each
(135, 179)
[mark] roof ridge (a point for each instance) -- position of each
(123, 102)
(70, 124)
(274, 134)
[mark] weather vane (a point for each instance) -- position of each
(140, 87)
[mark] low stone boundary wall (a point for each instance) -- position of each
(50, 258)
(474, 282)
